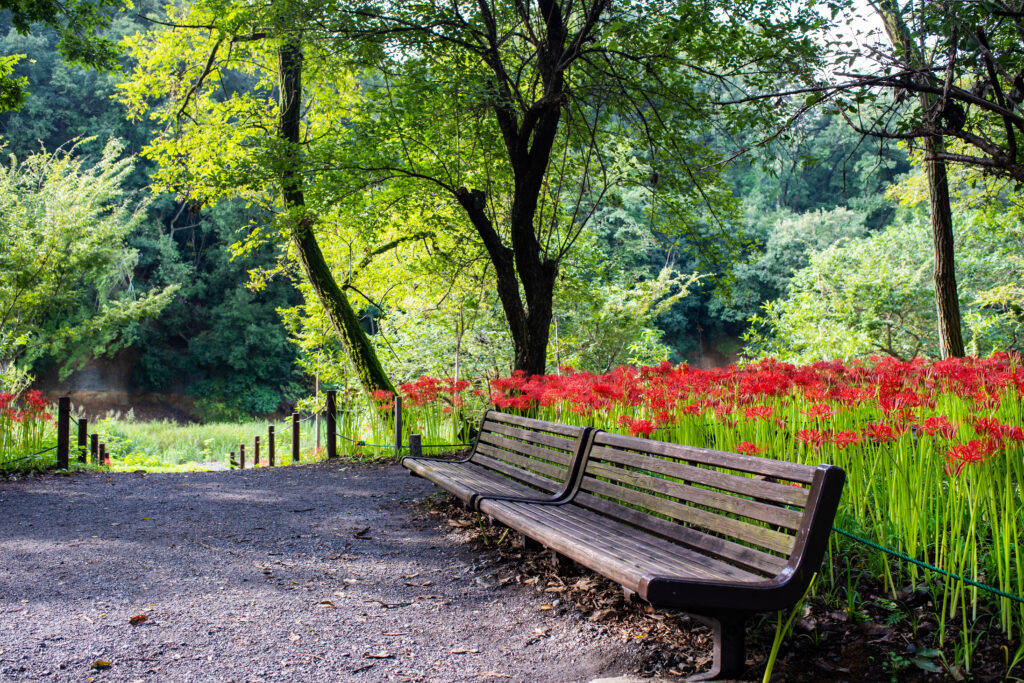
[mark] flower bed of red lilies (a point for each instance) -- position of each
(934, 453)
(23, 425)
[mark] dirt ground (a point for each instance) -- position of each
(341, 572)
(321, 572)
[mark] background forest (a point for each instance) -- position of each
(828, 252)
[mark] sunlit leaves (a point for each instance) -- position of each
(65, 272)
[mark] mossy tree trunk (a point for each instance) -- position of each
(344, 319)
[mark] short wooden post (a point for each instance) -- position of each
(94, 448)
(256, 452)
(415, 446)
(231, 460)
(270, 445)
(63, 431)
(398, 426)
(295, 437)
(83, 438)
(332, 424)
(241, 456)
(103, 454)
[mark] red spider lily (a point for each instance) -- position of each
(878, 433)
(758, 413)
(986, 426)
(941, 425)
(970, 453)
(822, 410)
(845, 438)
(810, 437)
(748, 448)
(1013, 432)
(642, 427)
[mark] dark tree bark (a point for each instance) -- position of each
(529, 138)
(336, 304)
(947, 303)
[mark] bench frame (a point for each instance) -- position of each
(724, 604)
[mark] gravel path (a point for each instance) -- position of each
(319, 573)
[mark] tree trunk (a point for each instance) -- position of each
(947, 303)
(336, 304)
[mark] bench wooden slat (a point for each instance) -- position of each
(646, 550)
(803, 474)
(520, 475)
(521, 447)
(464, 480)
(733, 528)
(534, 424)
(743, 556)
(756, 488)
(616, 549)
(559, 474)
(531, 436)
(761, 512)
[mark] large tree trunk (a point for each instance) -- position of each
(336, 304)
(947, 303)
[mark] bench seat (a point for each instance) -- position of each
(610, 548)
(716, 534)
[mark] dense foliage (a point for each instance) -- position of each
(66, 271)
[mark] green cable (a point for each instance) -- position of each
(925, 565)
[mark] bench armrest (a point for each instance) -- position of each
(576, 466)
(775, 593)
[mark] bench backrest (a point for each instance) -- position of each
(746, 511)
(542, 455)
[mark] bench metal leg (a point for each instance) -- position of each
(730, 652)
(527, 543)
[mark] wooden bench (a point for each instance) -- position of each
(718, 535)
(514, 457)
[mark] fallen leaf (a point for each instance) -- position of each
(491, 674)
(326, 603)
(292, 637)
(390, 605)
(602, 614)
(547, 606)
(459, 523)
(465, 652)
(101, 664)
(542, 632)
(138, 619)
(361, 534)
(145, 519)
(379, 655)
(394, 633)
